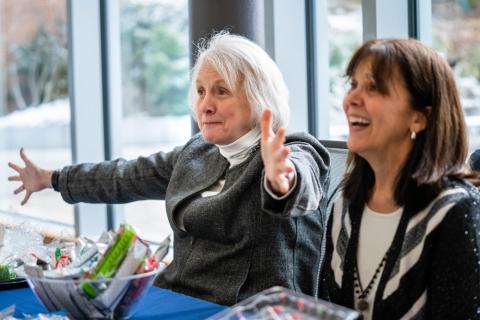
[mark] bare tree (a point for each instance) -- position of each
(37, 69)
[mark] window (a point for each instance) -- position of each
(155, 79)
(456, 34)
(345, 36)
(34, 107)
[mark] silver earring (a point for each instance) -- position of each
(413, 136)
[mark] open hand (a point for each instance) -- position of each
(33, 178)
(279, 170)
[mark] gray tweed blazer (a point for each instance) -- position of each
(236, 243)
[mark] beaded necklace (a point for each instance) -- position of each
(363, 304)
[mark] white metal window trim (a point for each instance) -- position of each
(85, 90)
(385, 19)
(289, 51)
(425, 21)
(114, 92)
(323, 70)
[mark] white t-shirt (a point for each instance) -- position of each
(376, 235)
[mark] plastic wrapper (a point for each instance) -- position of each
(94, 280)
(18, 244)
(278, 303)
(24, 243)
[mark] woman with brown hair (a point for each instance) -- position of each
(404, 238)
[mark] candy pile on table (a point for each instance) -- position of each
(18, 245)
(82, 276)
(282, 304)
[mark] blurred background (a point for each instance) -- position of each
(154, 57)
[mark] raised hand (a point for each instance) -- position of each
(279, 170)
(33, 178)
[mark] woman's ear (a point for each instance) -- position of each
(420, 119)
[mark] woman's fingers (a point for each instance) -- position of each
(283, 184)
(24, 157)
(283, 153)
(14, 178)
(19, 189)
(266, 125)
(275, 141)
(27, 196)
(280, 157)
(275, 155)
(14, 167)
(278, 139)
(283, 169)
(32, 178)
(271, 140)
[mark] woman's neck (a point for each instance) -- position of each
(382, 199)
(386, 170)
(239, 150)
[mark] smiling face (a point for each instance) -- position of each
(223, 113)
(380, 125)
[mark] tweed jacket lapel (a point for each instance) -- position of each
(195, 175)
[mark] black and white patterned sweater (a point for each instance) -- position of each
(433, 267)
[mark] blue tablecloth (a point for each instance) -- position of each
(156, 304)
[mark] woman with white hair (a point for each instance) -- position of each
(245, 201)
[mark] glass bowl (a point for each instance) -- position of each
(92, 299)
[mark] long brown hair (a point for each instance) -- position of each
(441, 149)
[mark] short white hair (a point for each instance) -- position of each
(244, 66)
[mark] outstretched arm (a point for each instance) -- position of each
(32, 177)
(279, 170)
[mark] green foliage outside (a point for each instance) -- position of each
(37, 70)
(342, 44)
(154, 54)
(155, 60)
(456, 34)
(456, 30)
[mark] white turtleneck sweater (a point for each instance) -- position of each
(236, 153)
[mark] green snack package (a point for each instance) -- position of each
(111, 261)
